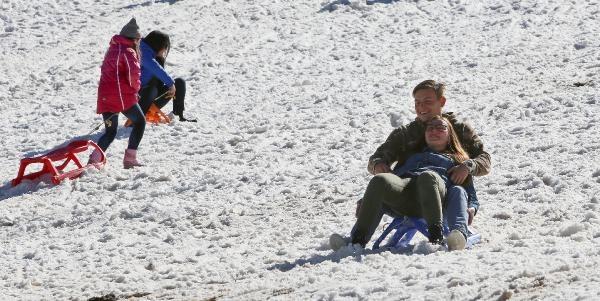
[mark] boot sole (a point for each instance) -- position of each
(131, 166)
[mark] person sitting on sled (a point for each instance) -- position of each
(426, 191)
(118, 92)
(410, 139)
(155, 80)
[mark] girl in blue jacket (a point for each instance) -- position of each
(155, 80)
(420, 187)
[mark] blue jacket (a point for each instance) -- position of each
(440, 163)
(151, 68)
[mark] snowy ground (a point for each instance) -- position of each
(292, 98)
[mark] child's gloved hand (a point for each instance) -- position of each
(171, 92)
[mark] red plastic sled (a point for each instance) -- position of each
(57, 173)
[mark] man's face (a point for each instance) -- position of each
(427, 104)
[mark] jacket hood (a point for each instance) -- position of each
(147, 50)
(121, 40)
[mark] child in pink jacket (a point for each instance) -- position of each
(118, 92)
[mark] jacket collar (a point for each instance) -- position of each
(449, 115)
(146, 49)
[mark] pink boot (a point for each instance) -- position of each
(129, 161)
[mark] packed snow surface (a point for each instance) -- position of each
(292, 98)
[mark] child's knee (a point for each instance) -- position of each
(140, 122)
(138, 119)
(179, 83)
(458, 191)
(379, 182)
(111, 132)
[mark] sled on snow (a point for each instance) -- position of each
(406, 228)
(58, 172)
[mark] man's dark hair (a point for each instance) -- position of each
(158, 40)
(439, 88)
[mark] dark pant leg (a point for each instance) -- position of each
(155, 87)
(162, 101)
(111, 121)
(147, 95)
(139, 125)
(431, 191)
(388, 191)
(178, 102)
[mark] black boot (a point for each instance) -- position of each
(436, 236)
(181, 118)
(357, 238)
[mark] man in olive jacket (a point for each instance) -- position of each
(410, 139)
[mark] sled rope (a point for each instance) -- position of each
(107, 120)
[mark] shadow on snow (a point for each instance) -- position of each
(337, 256)
(148, 3)
(333, 5)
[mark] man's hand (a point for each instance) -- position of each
(471, 212)
(171, 93)
(458, 174)
(381, 168)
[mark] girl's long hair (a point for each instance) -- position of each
(454, 148)
(136, 47)
(158, 40)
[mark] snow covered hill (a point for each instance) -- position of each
(292, 98)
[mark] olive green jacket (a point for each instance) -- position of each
(409, 139)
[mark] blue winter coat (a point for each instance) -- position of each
(151, 68)
(440, 163)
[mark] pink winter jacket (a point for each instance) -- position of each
(120, 77)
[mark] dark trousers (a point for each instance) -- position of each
(111, 122)
(154, 88)
(421, 196)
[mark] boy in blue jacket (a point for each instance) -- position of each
(155, 80)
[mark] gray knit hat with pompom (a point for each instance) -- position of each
(131, 30)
